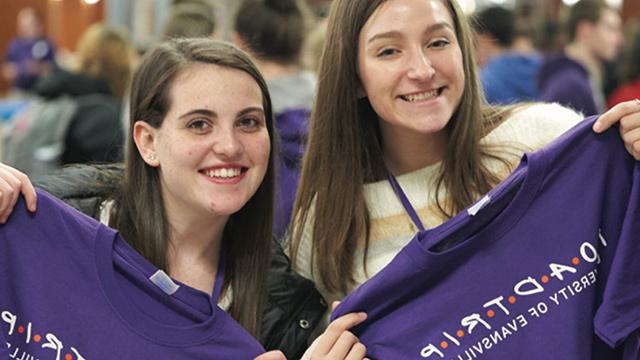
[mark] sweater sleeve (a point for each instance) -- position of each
(533, 126)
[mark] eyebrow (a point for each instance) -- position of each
(396, 34)
(199, 112)
(213, 114)
(250, 110)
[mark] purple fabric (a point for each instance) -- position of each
(72, 288)
(547, 270)
(565, 81)
(21, 51)
(292, 128)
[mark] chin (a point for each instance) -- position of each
(224, 209)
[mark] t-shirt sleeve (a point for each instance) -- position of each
(618, 317)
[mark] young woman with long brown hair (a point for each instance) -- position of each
(398, 93)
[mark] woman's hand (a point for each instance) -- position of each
(628, 115)
(12, 183)
(337, 342)
(272, 355)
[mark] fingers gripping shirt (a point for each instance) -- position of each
(73, 289)
(548, 269)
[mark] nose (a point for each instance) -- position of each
(420, 66)
(227, 143)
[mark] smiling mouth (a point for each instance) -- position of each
(427, 95)
(224, 173)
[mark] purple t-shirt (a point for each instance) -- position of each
(72, 288)
(21, 51)
(547, 269)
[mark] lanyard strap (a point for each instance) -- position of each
(405, 201)
(217, 286)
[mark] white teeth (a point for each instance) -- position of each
(223, 173)
(422, 96)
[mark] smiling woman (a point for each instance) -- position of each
(401, 138)
(213, 147)
(413, 78)
(196, 201)
(198, 171)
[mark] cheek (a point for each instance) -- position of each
(259, 148)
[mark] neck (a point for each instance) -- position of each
(581, 53)
(271, 69)
(523, 45)
(414, 152)
(194, 248)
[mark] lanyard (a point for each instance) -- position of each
(217, 286)
(405, 201)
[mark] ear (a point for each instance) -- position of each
(144, 136)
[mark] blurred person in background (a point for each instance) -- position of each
(190, 19)
(312, 50)
(629, 67)
(105, 61)
(274, 32)
(507, 72)
(30, 55)
(573, 77)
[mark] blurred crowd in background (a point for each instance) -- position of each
(65, 101)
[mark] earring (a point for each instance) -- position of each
(152, 157)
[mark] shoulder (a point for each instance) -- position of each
(534, 125)
(80, 185)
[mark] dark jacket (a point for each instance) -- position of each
(565, 81)
(294, 306)
(95, 133)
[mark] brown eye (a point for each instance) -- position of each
(198, 125)
(440, 43)
(250, 123)
(386, 52)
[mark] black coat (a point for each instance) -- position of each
(294, 306)
(95, 132)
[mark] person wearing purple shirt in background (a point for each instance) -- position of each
(194, 213)
(274, 31)
(31, 54)
(573, 77)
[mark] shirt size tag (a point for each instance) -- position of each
(479, 205)
(164, 282)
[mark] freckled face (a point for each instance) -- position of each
(213, 146)
(410, 67)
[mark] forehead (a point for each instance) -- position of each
(207, 85)
(397, 14)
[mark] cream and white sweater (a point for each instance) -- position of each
(527, 129)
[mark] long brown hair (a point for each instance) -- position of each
(139, 213)
(106, 53)
(344, 150)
